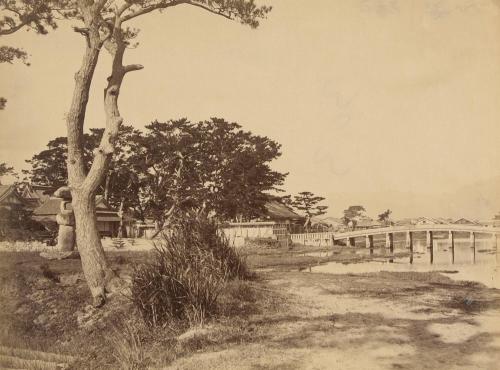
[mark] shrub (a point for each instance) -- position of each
(186, 274)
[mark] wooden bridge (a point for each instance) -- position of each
(409, 230)
(329, 238)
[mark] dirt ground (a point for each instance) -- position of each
(285, 319)
(370, 321)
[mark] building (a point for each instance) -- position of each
(276, 223)
(367, 223)
(280, 213)
(35, 195)
(464, 221)
(496, 220)
(10, 198)
(422, 221)
(108, 221)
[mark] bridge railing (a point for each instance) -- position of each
(417, 228)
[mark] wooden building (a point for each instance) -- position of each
(108, 221)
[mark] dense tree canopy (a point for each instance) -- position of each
(177, 165)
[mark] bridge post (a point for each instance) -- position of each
(389, 241)
(351, 242)
(409, 240)
(369, 243)
(409, 244)
(451, 242)
(472, 240)
(430, 245)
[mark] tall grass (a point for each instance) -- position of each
(127, 347)
(186, 274)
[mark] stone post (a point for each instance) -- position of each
(66, 221)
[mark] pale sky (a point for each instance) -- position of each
(384, 103)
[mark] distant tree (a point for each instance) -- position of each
(49, 167)
(119, 187)
(307, 202)
(234, 168)
(212, 165)
(384, 216)
(5, 170)
(352, 213)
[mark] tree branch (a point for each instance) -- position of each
(151, 8)
(214, 11)
(132, 67)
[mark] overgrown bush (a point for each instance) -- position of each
(186, 274)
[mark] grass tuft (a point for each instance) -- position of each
(188, 270)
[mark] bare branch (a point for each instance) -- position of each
(132, 67)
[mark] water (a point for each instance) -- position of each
(462, 263)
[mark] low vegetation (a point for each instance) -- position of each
(279, 318)
(186, 273)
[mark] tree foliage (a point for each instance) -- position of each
(5, 170)
(175, 166)
(49, 167)
(384, 216)
(307, 202)
(213, 165)
(352, 213)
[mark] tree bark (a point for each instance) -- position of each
(94, 263)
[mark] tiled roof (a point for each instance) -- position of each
(7, 190)
(52, 206)
(4, 189)
(278, 211)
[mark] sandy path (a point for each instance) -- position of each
(373, 321)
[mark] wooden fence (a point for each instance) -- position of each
(314, 239)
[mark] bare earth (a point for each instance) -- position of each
(286, 319)
(372, 321)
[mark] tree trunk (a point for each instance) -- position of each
(94, 263)
(84, 186)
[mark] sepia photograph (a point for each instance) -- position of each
(250, 184)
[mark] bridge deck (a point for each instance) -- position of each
(417, 228)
